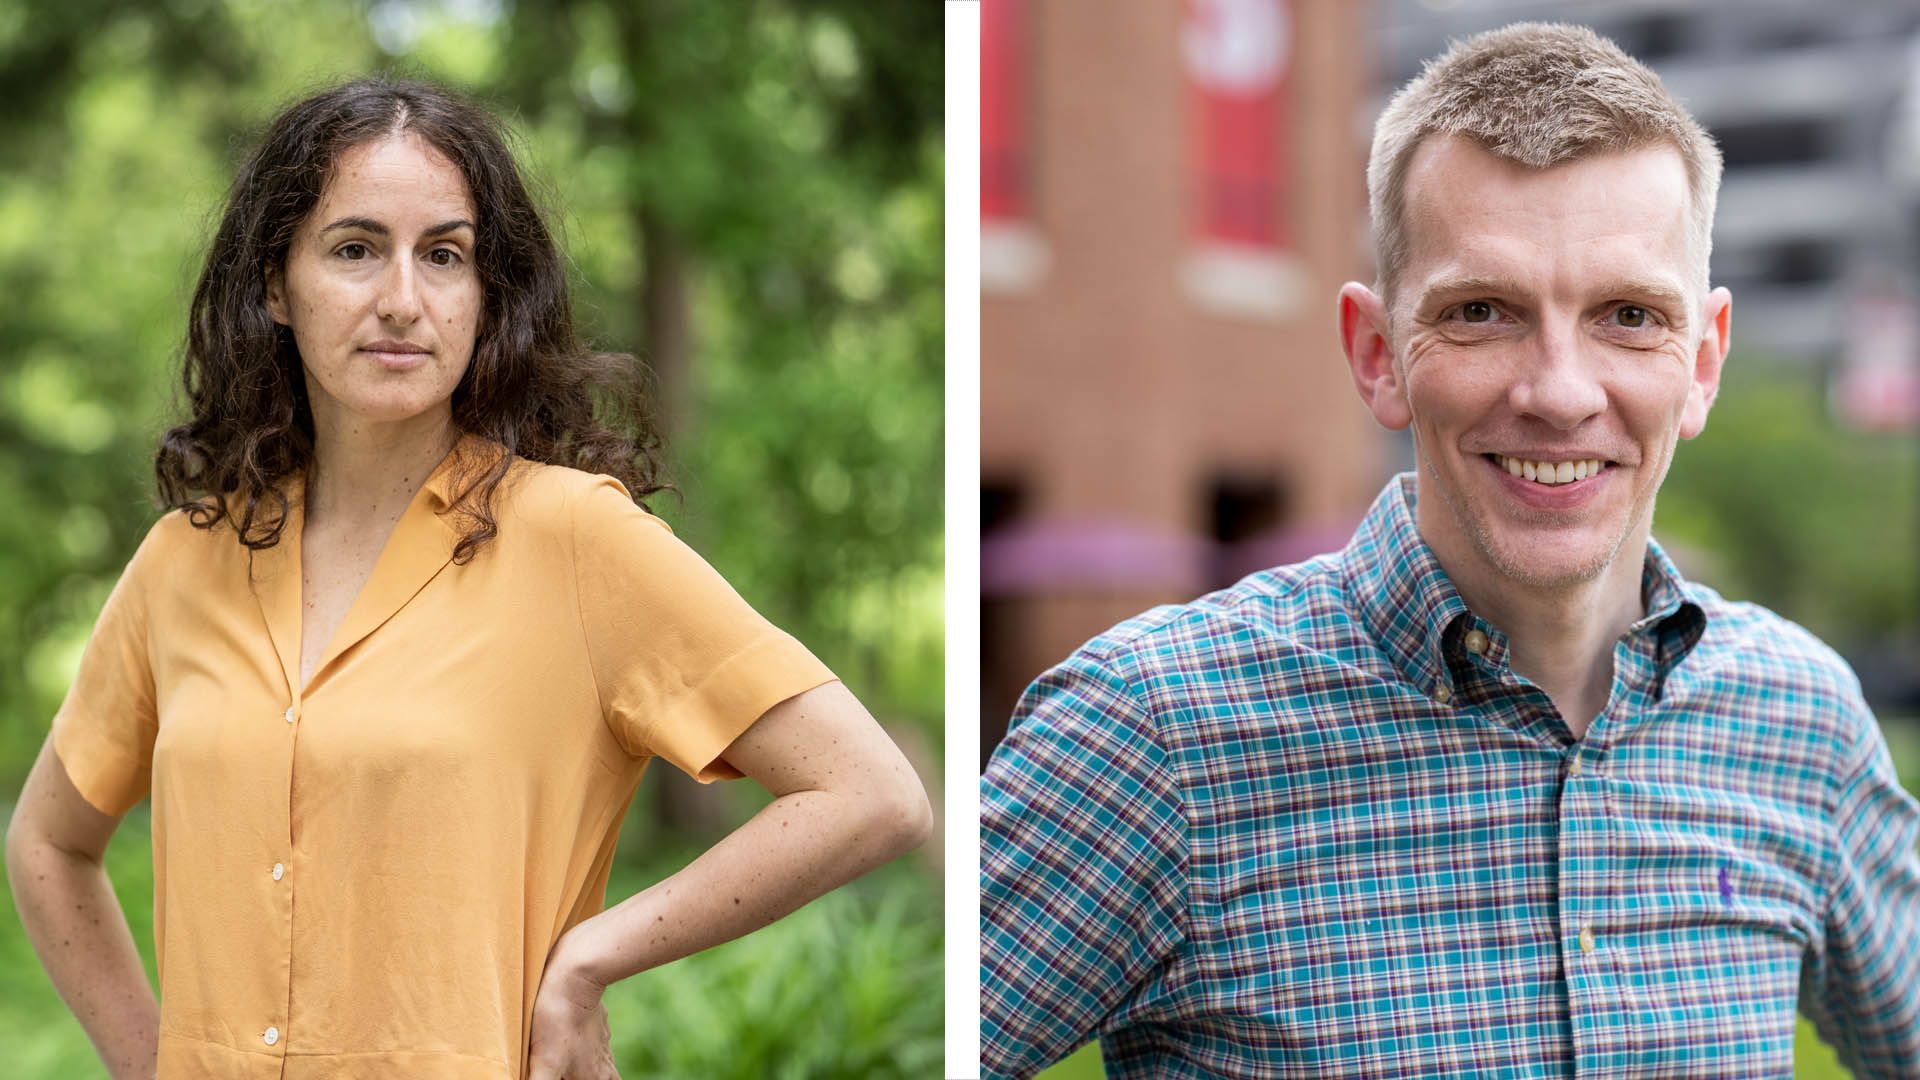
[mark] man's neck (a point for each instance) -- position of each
(365, 475)
(1561, 638)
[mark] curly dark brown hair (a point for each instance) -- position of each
(532, 386)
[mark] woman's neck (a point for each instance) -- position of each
(361, 475)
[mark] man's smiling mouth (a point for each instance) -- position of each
(1550, 473)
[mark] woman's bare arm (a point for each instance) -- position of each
(846, 800)
(55, 843)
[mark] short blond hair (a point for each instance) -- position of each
(1537, 94)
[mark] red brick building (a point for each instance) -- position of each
(1172, 194)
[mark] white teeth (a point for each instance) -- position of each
(1550, 472)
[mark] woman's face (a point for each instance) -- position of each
(380, 289)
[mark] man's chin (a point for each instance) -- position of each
(1544, 561)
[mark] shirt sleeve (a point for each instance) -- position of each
(682, 665)
(1083, 869)
(1862, 987)
(105, 728)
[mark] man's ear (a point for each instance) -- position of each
(277, 296)
(1363, 334)
(1717, 318)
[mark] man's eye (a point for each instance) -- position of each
(1476, 311)
(1631, 316)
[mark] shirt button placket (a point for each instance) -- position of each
(272, 1035)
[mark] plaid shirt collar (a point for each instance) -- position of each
(1418, 618)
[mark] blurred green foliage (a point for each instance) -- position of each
(750, 197)
(1791, 510)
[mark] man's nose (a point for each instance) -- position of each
(399, 300)
(1557, 381)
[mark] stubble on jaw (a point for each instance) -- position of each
(1472, 524)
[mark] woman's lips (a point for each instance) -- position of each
(397, 361)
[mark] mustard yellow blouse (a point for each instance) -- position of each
(364, 877)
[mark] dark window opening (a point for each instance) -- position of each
(1658, 36)
(1247, 511)
(1803, 262)
(1244, 507)
(1773, 142)
(1003, 621)
(1002, 500)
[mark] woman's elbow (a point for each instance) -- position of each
(900, 817)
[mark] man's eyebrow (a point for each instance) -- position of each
(1467, 285)
(369, 225)
(1659, 290)
(1665, 293)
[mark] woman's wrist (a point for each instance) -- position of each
(580, 962)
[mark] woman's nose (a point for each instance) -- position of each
(399, 299)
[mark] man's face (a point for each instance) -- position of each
(1549, 345)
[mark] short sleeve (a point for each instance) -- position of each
(1861, 987)
(105, 729)
(1083, 869)
(682, 664)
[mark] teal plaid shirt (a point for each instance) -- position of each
(1315, 826)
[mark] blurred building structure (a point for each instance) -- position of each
(1173, 191)
(1172, 194)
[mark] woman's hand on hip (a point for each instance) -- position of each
(570, 1039)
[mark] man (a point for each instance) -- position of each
(1492, 791)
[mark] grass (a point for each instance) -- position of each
(848, 986)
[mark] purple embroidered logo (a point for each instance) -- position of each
(1726, 887)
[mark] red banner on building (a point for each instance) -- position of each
(1003, 137)
(1237, 53)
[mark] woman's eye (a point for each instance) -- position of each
(352, 252)
(1476, 311)
(452, 257)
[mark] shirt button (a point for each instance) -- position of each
(289, 714)
(1441, 694)
(1573, 768)
(1476, 643)
(1586, 939)
(272, 1036)
(279, 871)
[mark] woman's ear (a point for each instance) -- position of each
(1363, 334)
(277, 297)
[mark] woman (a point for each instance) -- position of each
(392, 667)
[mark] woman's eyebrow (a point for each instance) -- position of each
(377, 229)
